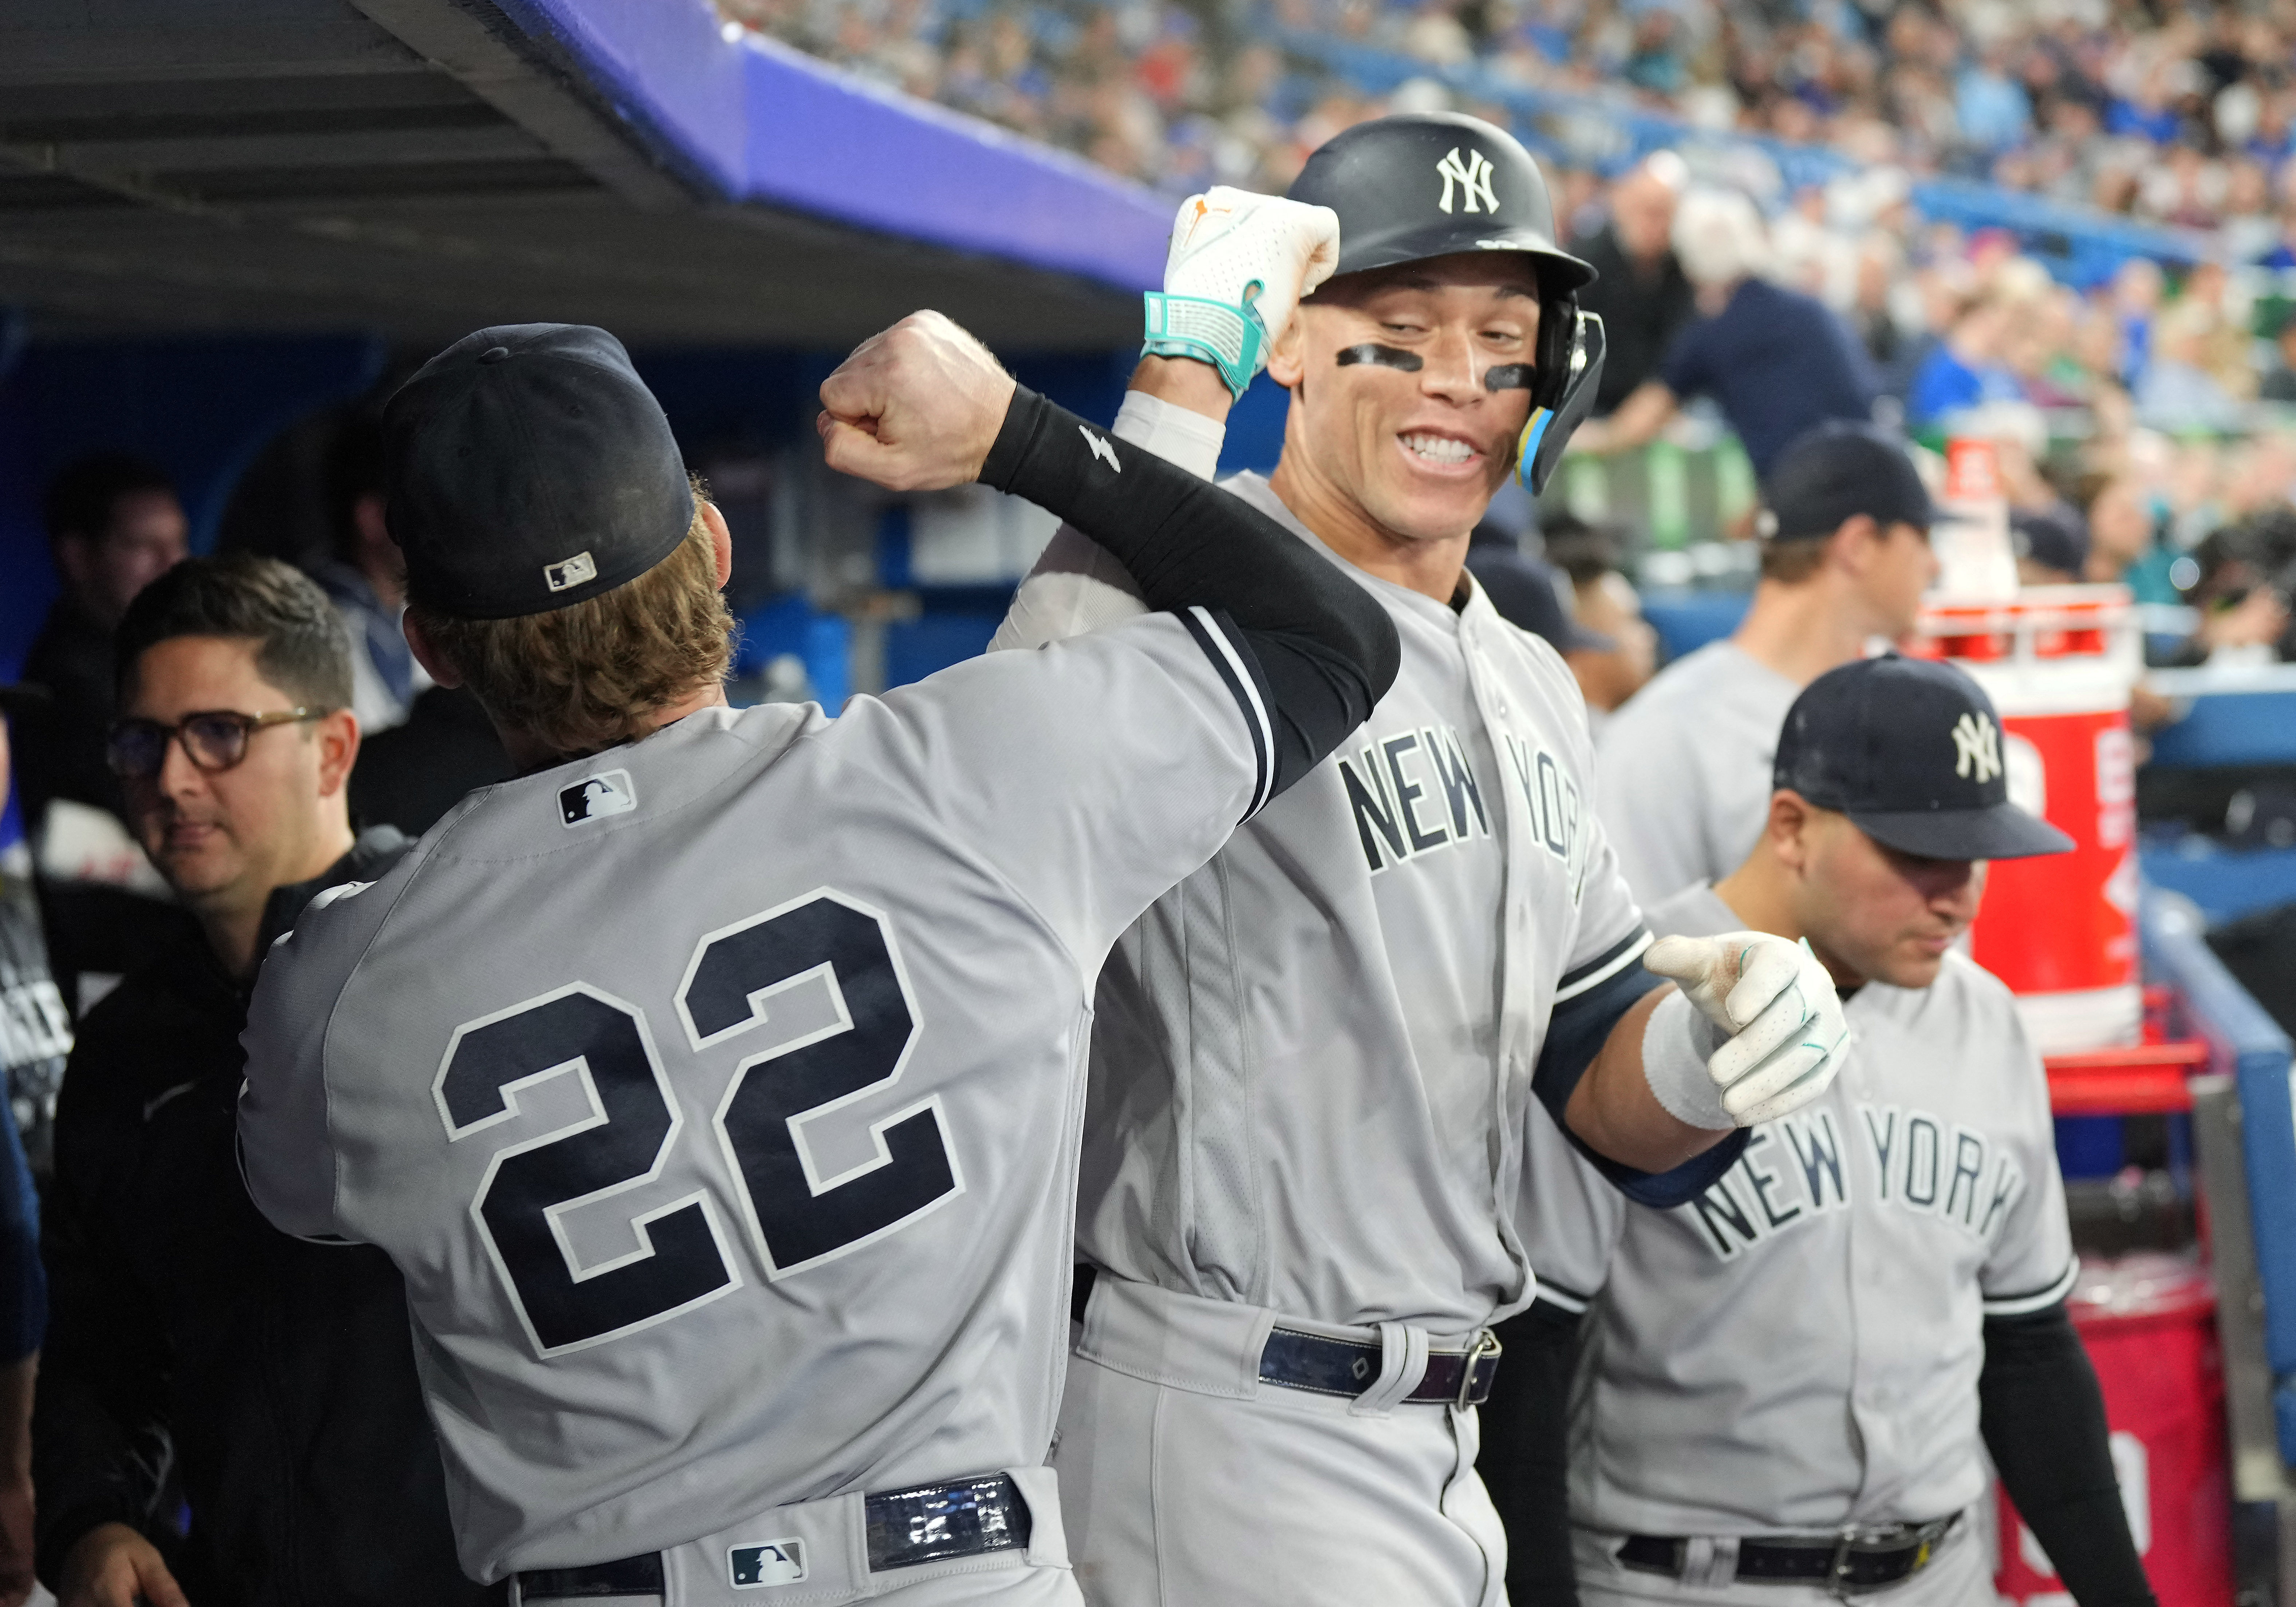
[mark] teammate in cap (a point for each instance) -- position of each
(1787, 1381)
(715, 1084)
(1684, 765)
(1313, 1060)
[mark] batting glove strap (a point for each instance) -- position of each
(1226, 336)
(1677, 1044)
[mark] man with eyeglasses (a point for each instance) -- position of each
(195, 1353)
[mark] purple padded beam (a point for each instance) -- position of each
(760, 122)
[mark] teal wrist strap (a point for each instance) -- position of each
(1228, 337)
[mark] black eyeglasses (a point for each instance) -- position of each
(214, 741)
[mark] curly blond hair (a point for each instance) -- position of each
(584, 678)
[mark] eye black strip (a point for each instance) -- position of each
(1508, 376)
(1386, 356)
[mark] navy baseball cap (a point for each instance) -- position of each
(528, 468)
(1911, 751)
(1836, 471)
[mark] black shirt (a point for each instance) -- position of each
(196, 1347)
(1643, 311)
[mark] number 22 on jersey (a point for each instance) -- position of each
(796, 1216)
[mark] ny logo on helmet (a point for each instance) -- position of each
(1473, 178)
(1976, 746)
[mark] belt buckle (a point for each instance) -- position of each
(1837, 1573)
(1487, 1347)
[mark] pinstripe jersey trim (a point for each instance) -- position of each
(2036, 1299)
(1603, 967)
(1244, 687)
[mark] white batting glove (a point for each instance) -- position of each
(1238, 266)
(1768, 1036)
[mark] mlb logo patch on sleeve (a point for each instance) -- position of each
(594, 797)
(767, 1562)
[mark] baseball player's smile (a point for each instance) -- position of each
(1441, 452)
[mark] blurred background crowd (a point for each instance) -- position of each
(2146, 416)
(2184, 116)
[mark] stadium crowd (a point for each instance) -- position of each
(2126, 413)
(2173, 114)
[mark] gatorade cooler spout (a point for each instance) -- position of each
(2058, 663)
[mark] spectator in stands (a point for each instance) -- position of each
(35, 1035)
(2121, 529)
(2280, 383)
(1778, 362)
(2244, 597)
(1683, 769)
(1965, 370)
(114, 525)
(2178, 391)
(1622, 652)
(196, 1354)
(2051, 546)
(1873, 311)
(1640, 291)
(364, 576)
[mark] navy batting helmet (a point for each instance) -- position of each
(1423, 184)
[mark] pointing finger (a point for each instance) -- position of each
(1685, 960)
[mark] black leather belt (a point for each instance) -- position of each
(968, 1518)
(1349, 1366)
(1856, 1560)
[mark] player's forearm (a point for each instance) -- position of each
(1614, 1112)
(1640, 417)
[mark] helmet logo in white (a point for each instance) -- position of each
(1473, 178)
(1976, 746)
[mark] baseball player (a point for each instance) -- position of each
(713, 1082)
(1313, 1060)
(1684, 765)
(1786, 1380)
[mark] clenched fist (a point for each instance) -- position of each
(914, 409)
(1773, 1034)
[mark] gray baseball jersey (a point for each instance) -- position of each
(1683, 769)
(717, 1095)
(1798, 1349)
(1312, 1062)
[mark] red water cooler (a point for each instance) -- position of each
(2058, 663)
(2149, 1323)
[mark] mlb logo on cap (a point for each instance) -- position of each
(573, 572)
(596, 797)
(767, 1563)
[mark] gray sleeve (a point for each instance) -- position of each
(1651, 806)
(1092, 773)
(286, 1145)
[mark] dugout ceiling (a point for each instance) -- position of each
(420, 168)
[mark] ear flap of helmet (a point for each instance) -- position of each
(1570, 347)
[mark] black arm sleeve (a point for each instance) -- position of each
(1525, 1455)
(2043, 1420)
(1320, 650)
